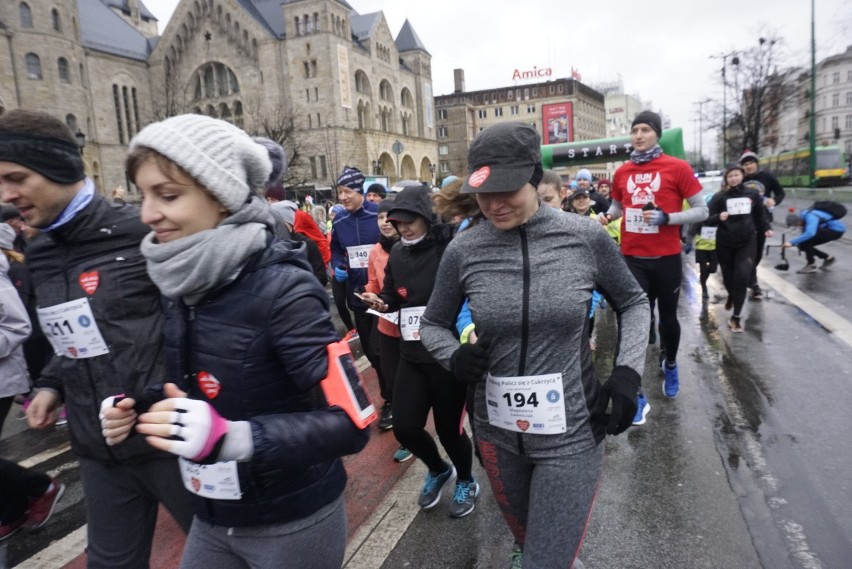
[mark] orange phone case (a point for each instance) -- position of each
(344, 387)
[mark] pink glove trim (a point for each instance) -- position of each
(218, 429)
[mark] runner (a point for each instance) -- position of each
(247, 329)
(550, 190)
(421, 383)
(648, 193)
(818, 227)
(739, 215)
(540, 413)
(96, 278)
(703, 238)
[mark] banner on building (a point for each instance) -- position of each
(557, 122)
(343, 73)
(427, 104)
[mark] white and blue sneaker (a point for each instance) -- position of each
(642, 408)
(671, 385)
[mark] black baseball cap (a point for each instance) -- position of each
(577, 193)
(502, 158)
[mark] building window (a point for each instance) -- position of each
(82, 76)
(848, 121)
(313, 167)
(443, 149)
(307, 95)
(33, 66)
(511, 95)
(26, 15)
(298, 21)
(848, 146)
(116, 99)
(323, 167)
(62, 68)
(849, 76)
(483, 113)
(530, 108)
(385, 92)
(57, 20)
(310, 121)
(131, 130)
(498, 111)
(835, 77)
(311, 68)
(442, 114)
(442, 132)
(316, 94)
(835, 99)
(213, 80)
(445, 168)
(849, 98)
(514, 110)
(71, 121)
(835, 122)
(319, 122)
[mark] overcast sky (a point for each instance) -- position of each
(660, 48)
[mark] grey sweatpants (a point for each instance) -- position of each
(547, 502)
(317, 541)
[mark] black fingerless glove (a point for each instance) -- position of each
(622, 389)
(470, 362)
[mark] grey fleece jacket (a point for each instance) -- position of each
(530, 291)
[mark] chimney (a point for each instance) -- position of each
(458, 75)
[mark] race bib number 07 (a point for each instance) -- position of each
(409, 323)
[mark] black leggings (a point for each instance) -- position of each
(389, 349)
(660, 279)
(420, 387)
(823, 235)
(736, 264)
(368, 333)
(760, 243)
(338, 291)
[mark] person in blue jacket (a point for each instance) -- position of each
(353, 234)
(818, 227)
(245, 337)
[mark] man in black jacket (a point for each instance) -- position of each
(773, 196)
(102, 316)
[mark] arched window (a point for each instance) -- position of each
(57, 20)
(238, 114)
(362, 84)
(26, 15)
(213, 80)
(33, 66)
(62, 67)
(385, 92)
(71, 121)
(407, 99)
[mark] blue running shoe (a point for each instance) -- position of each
(464, 498)
(402, 454)
(671, 385)
(432, 486)
(642, 408)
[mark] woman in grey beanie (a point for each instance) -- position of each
(245, 341)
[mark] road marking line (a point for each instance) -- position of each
(826, 317)
(377, 537)
(45, 456)
(59, 553)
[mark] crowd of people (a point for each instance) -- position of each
(190, 339)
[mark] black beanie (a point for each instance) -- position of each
(651, 119)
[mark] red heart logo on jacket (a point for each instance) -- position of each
(89, 281)
(210, 386)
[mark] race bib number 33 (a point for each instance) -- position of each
(635, 223)
(532, 404)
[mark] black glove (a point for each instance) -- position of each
(622, 389)
(470, 362)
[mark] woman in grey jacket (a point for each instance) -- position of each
(540, 413)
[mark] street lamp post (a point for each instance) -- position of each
(377, 165)
(80, 137)
(432, 172)
(812, 141)
(701, 131)
(735, 60)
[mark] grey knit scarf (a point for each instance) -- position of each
(202, 262)
(638, 157)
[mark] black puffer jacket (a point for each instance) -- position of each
(738, 229)
(411, 269)
(102, 243)
(264, 339)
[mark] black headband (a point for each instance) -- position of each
(56, 159)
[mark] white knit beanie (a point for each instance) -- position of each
(221, 157)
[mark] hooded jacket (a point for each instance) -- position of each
(263, 338)
(738, 229)
(411, 269)
(14, 329)
(95, 256)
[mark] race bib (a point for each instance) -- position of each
(739, 206)
(219, 481)
(71, 329)
(359, 256)
(532, 404)
(708, 232)
(409, 322)
(392, 317)
(635, 223)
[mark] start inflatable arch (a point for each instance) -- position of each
(605, 150)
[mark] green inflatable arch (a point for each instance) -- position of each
(605, 150)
